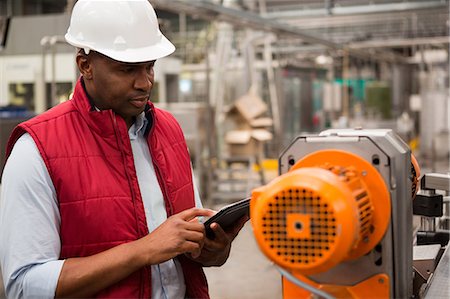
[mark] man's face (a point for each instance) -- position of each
(123, 87)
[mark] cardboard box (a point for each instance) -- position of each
(249, 129)
(247, 142)
(250, 106)
(262, 122)
(247, 112)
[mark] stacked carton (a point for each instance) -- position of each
(250, 126)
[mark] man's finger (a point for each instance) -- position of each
(226, 236)
(191, 235)
(190, 214)
(220, 238)
(193, 248)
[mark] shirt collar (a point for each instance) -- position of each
(139, 126)
(137, 129)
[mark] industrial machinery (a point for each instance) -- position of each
(338, 221)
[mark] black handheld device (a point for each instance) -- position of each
(228, 215)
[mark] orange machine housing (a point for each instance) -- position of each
(332, 206)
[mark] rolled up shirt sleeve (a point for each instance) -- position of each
(30, 222)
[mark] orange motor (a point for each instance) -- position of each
(332, 206)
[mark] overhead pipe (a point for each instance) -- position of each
(216, 12)
(356, 9)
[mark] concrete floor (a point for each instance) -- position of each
(246, 275)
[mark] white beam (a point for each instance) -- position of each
(401, 42)
(356, 9)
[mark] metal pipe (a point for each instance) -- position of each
(41, 103)
(183, 26)
(401, 42)
(274, 102)
(436, 15)
(49, 43)
(356, 9)
(427, 224)
(210, 131)
(345, 77)
(386, 43)
(435, 181)
(53, 100)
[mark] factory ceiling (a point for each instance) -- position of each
(391, 29)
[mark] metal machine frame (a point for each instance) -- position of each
(436, 283)
(392, 158)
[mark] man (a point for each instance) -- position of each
(98, 197)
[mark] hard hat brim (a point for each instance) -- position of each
(162, 49)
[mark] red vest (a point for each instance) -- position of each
(90, 161)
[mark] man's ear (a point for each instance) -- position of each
(84, 64)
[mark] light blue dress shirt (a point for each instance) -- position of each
(29, 222)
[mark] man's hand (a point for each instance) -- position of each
(215, 252)
(179, 234)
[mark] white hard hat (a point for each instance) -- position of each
(124, 30)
